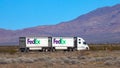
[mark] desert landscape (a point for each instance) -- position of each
(100, 56)
(24, 23)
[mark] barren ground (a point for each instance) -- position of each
(61, 59)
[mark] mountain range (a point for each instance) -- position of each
(98, 26)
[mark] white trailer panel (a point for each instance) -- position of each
(36, 42)
(35, 48)
(60, 48)
(62, 41)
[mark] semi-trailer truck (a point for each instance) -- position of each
(52, 43)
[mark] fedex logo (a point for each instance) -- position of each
(33, 41)
(60, 41)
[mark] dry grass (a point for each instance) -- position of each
(93, 47)
(8, 49)
(99, 56)
(88, 59)
(109, 47)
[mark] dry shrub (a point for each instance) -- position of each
(109, 47)
(8, 49)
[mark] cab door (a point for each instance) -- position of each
(80, 44)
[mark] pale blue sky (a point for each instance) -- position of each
(19, 14)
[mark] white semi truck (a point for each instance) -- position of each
(52, 43)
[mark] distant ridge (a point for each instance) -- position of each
(98, 26)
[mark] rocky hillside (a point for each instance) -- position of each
(98, 26)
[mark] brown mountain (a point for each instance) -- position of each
(99, 26)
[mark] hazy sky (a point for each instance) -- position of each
(19, 14)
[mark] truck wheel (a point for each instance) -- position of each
(22, 49)
(40, 50)
(74, 49)
(27, 50)
(46, 50)
(87, 48)
(53, 50)
(70, 49)
(43, 49)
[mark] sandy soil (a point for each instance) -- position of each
(61, 59)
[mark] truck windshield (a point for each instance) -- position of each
(84, 43)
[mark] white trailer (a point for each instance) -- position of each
(52, 43)
(64, 43)
(69, 43)
(34, 43)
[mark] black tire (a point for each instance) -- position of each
(27, 50)
(73, 49)
(87, 48)
(22, 49)
(46, 50)
(43, 49)
(53, 50)
(69, 49)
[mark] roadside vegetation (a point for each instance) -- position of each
(93, 47)
(109, 47)
(99, 56)
(8, 49)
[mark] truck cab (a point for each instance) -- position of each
(81, 44)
